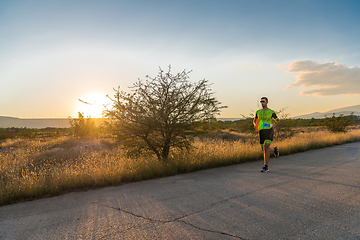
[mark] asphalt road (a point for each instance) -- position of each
(311, 195)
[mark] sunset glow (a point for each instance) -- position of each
(92, 104)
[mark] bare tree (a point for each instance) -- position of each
(160, 113)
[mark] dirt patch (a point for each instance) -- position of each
(90, 146)
(82, 145)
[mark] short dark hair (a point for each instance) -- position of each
(265, 98)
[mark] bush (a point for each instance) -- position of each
(338, 124)
(83, 127)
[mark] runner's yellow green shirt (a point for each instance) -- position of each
(265, 118)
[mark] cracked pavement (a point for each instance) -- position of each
(311, 195)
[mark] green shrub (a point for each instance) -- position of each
(338, 124)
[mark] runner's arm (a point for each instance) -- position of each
(275, 117)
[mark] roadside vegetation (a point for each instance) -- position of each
(48, 166)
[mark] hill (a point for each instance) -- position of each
(6, 122)
(345, 111)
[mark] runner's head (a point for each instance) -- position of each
(264, 101)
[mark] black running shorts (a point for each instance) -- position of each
(266, 136)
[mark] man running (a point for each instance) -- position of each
(263, 123)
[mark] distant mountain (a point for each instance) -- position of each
(6, 122)
(228, 119)
(345, 111)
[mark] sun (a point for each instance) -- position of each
(92, 104)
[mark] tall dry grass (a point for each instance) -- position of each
(31, 169)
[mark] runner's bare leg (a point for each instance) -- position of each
(267, 150)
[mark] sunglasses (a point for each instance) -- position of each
(262, 101)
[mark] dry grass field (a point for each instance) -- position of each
(31, 169)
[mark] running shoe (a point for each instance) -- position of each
(276, 151)
(265, 169)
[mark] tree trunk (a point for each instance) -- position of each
(165, 152)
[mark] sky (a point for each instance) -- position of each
(303, 55)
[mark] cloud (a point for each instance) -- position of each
(325, 79)
(281, 66)
(253, 67)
